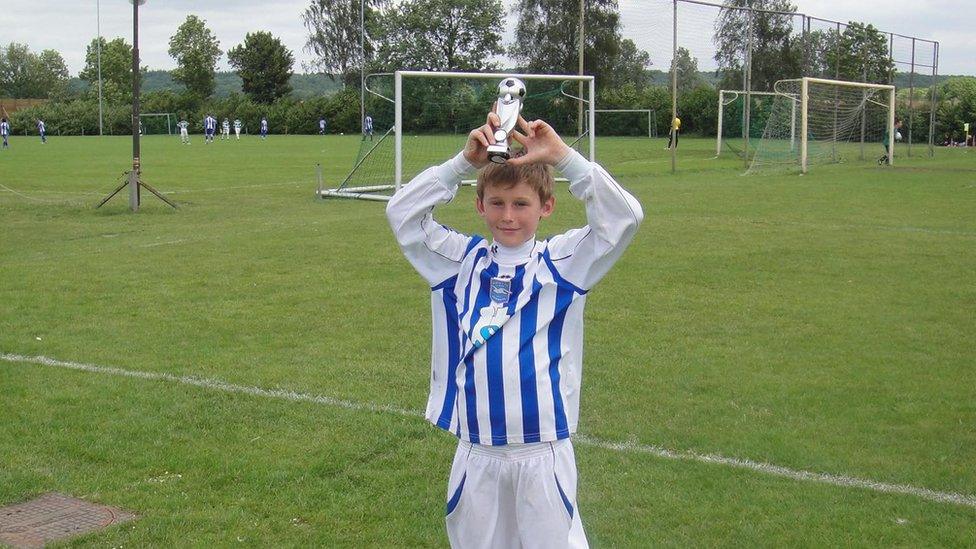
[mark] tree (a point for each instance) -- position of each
(458, 35)
(957, 106)
(334, 34)
(196, 51)
(547, 40)
(26, 74)
(861, 55)
(116, 70)
(686, 68)
(776, 53)
(264, 65)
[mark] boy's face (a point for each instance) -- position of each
(513, 214)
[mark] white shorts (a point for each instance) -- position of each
(513, 496)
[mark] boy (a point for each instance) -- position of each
(264, 128)
(237, 128)
(368, 127)
(507, 330)
(209, 128)
(5, 132)
(184, 131)
(225, 129)
(673, 136)
(41, 131)
(884, 140)
(322, 125)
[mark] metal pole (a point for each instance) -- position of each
(579, 114)
(911, 99)
(134, 174)
(804, 123)
(397, 127)
(721, 109)
(592, 120)
(98, 54)
(933, 93)
(833, 141)
(674, 88)
(747, 112)
(891, 127)
(362, 66)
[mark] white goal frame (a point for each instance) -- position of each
(367, 193)
(169, 123)
(736, 94)
(804, 113)
(650, 116)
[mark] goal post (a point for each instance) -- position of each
(838, 120)
(725, 135)
(651, 115)
(422, 118)
(157, 122)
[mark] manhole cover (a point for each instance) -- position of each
(53, 517)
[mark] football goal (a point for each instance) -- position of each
(626, 122)
(732, 133)
(154, 123)
(423, 118)
(815, 121)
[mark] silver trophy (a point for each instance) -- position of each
(511, 91)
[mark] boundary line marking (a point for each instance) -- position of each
(842, 481)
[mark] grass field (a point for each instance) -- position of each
(776, 360)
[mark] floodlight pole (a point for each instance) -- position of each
(98, 54)
(133, 180)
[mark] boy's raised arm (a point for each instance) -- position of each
(434, 250)
(583, 256)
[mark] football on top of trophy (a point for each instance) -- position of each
(511, 88)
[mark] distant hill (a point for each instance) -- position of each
(303, 86)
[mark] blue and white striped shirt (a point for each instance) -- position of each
(4, 128)
(368, 123)
(210, 123)
(514, 378)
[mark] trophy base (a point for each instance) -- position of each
(499, 154)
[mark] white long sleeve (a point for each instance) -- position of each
(434, 250)
(583, 256)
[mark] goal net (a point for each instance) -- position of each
(157, 123)
(735, 124)
(421, 119)
(815, 121)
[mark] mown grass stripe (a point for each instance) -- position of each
(629, 447)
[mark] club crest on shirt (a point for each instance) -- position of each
(499, 290)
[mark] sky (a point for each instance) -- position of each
(69, 25)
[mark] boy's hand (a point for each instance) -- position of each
(476, 148)
(541, 144)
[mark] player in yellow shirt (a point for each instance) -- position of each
(673, 136)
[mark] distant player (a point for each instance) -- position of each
(322, 125)
(184, 131)
(225, 129)
(264, 128)
(673, 136)
(5, 132)
(237, 128)
(368, 127)
(209, 128)
(40, 130)
(887, 137)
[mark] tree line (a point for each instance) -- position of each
(462, 35)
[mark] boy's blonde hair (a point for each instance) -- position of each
(538, 176)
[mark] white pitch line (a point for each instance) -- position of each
(842, 481)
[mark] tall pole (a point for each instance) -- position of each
(362, 64)
(747, 111)
(674, 86)
(98, 54)
(134, 174)
(579, 114)
(933, 95)
(911, 98)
